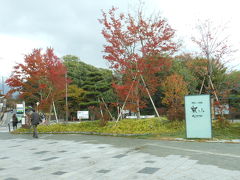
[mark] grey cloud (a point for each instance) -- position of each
(71, 25)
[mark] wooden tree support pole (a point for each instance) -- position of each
(150, 97)
(107, 109)
(215, 94)
(214, 91)
(54, 109)
(212, 87)
(121, 109)
(202, 85)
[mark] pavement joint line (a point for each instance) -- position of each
(91, 140)
(46, 136)
(197, 151)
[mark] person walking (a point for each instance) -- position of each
(35, 120)
(14, 121)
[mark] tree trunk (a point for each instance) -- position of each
(138, 100)
(138, 109)
(101, 111)
(113, 119)
(50, 113)
(55, 112)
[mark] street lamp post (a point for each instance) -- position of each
(66, 97)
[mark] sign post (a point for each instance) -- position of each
(20, 113)
(198, 116)
(24, 114)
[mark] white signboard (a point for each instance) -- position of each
(83, 115)
(222, 109)
(23, 120)
(125, 111)
(20, 112)
(198, 116)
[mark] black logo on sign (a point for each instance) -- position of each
(194, 109)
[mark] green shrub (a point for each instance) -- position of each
(162, 128)
(126, 126)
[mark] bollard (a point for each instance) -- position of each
(9, 129)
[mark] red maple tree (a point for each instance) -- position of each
(137, 48)
(40, 78)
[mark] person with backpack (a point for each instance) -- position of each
(14, 121)
(35, 120)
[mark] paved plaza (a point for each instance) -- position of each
(82, 157)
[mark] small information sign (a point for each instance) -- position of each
(198, 116)
(83, 115)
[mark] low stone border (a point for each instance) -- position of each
(234, 141)
(86, 133)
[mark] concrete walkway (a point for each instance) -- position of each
(83, 157)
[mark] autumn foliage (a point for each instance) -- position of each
(175, 88)
(135, 47)
(41, 78)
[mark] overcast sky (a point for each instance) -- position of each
(72, 27)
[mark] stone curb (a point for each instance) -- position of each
(234, 141)
(86, 133)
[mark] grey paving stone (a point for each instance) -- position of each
(33, 149)
(149, 161)
(101, 147)
(35, 168)
(62, 151)
(22, 141)
(74, 164)
(103, 171)
(49, 159)
(2, 169)
(120, 156)
(11, 178)
(148, 170)
(14, 146)
(52, 142)
(4, 158)
(59, 172)
(41, 152)
(85, 157)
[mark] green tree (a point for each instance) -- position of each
(77, 70)
(179, 66)
(233, 79)
(95, 85)
(96, 82)
(195, 69)
(75, 97)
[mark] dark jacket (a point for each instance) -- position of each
(35, 118)
(14, 119)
